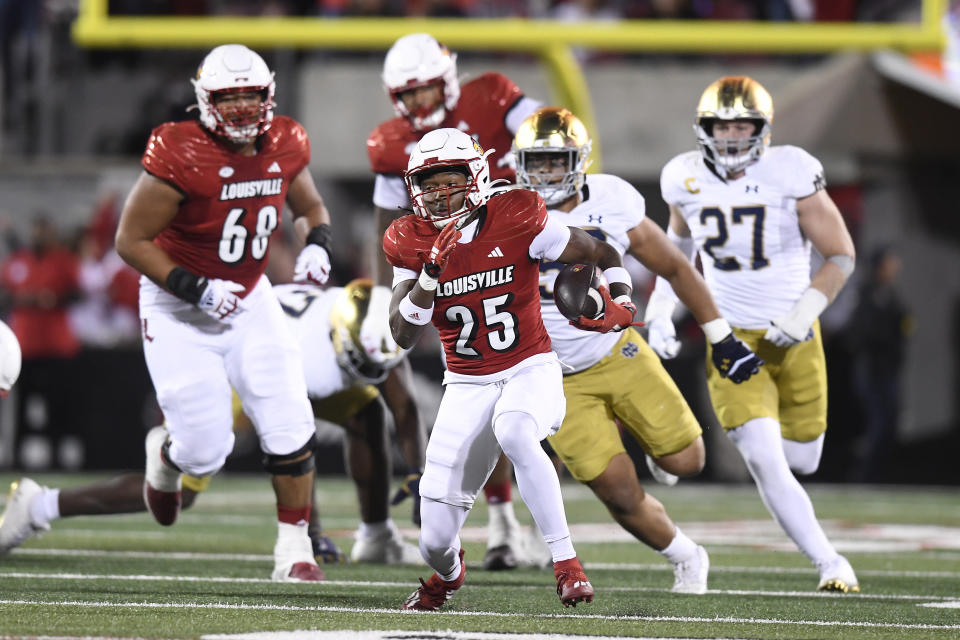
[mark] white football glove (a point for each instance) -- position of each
(220, 300)
(313, 265)
(662, 337)
(797, 326)
(375, 335)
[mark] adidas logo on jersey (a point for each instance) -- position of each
(274, 168)
(496, 253)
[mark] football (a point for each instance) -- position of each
(576, 293)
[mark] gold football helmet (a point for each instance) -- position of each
(346, 316)
(548, 134)
(733, 98)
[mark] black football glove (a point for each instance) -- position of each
(410, 489)
(734, 359)
(325, 550)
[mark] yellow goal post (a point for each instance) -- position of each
(551, 41)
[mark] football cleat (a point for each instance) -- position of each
(837, 575)
(161, 484)
(387, 548)
(690, 576)
(293, 556)
(16, 525)
(659, 474)
(432, 594)
(325, 550)
(572, 583)
(500, 558)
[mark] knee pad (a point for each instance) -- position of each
(516, 431)
(198, 461)
(803, 457)
(298, 463)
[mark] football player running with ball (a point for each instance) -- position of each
(420, 77)
(552, 150)
(197, 225)
(752, 211)
(467, 261)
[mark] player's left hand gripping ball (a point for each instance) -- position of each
(617, 314)
(313, 265)
(734, 359)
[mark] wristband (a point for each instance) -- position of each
(186, 285)
(809, 307)
(618, 274)
(412, 313)
(427, 282)
(624, 299)
(716, 330)
(320, 235)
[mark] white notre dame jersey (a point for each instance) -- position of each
(308, 313)
(755, 259)
(610, 208)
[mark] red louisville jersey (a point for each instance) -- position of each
(232, 202)
(487, 308)
(481, 112)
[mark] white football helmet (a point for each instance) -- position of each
(733, 98)
(231, 68)
(346, 318)
(449, 149)
(10, 359)
(418, 60)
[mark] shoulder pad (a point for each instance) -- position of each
(387, 146)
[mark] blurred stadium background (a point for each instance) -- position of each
(871, 87)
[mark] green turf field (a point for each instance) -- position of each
(209, 574)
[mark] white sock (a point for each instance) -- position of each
(761, 446)
(680, 548)
(536, 479)
(373, 529)
(440, 536)
(502, 524)
(45, 507)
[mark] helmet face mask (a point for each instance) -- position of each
(346, 318)
(443, 154)
(417, 61)
(547, 140)
(222, 85)
(735, 100)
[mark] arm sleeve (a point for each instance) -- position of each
(551, 241)
(390, 192)
(401, 274)
(519, 112)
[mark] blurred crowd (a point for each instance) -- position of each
(560, 9)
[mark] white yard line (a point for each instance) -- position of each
(406, 584)
(595, 566)
(474, 614)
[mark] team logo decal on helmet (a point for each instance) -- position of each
(553, 131)
(453, 150)
(346, 317)
(733, 98)
(233, 68)
(418, 60)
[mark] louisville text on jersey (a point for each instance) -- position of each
(475, 281)
(252, 189)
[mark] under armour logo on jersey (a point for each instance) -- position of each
(819, 183)
(591, 216)
(496, 253)
(274, 168)
(753, 187)
(629, 350)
